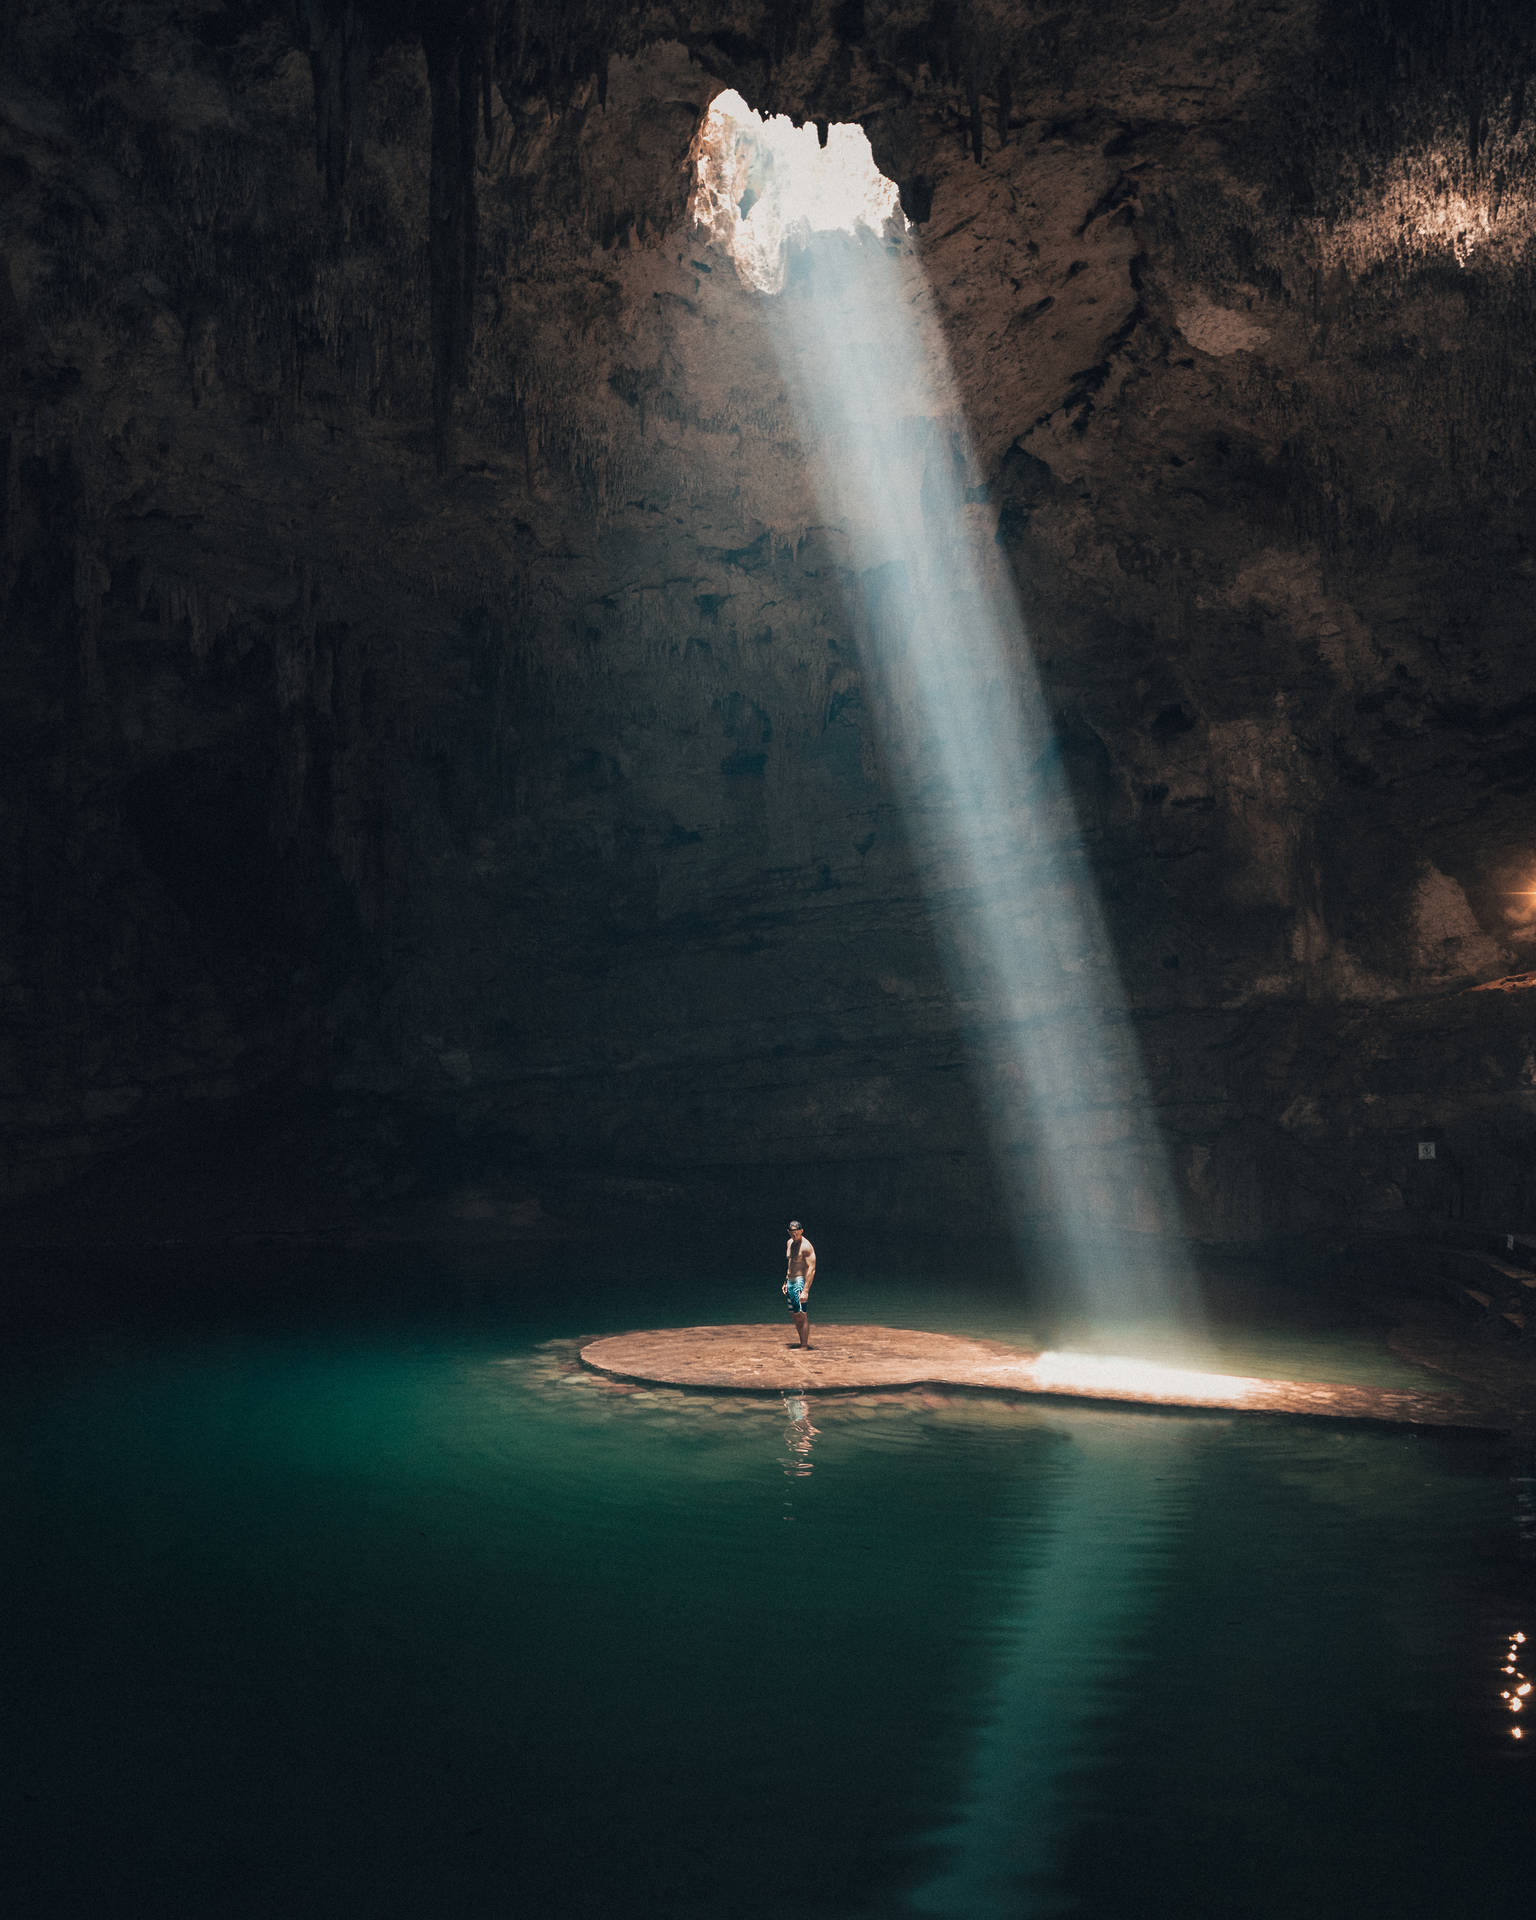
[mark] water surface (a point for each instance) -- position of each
(354, 1595)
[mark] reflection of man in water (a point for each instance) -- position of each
(800, 1271)
(798, 1439)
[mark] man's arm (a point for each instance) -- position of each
(810, 1267)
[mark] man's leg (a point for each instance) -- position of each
(803, 1327)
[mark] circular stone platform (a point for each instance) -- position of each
(763, 1360)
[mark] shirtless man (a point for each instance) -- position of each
(800, 1271)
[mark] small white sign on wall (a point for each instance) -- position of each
(1426, 1149)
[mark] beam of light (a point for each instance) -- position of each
(1065, 1664)
(964, 731)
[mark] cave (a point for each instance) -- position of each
(618, 623)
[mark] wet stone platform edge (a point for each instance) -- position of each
(842, 1358)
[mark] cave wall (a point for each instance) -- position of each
(430, 688)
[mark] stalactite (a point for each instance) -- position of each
(183, 606)
(336, 36)
(453, 69)
(10, 510)
(92, 582)
(485, 34)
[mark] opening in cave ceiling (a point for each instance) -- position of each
(763, 186)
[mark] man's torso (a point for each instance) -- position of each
(800, 1258)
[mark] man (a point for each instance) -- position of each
(800, 1265)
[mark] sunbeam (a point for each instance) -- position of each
(964, 729)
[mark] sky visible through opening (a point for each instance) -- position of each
(964, 732)
(764, 186)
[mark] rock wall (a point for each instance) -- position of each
(433, 701)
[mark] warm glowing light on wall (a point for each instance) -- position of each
(1520, 908)
(1432, 200)
(1456, 222)
(763, 186)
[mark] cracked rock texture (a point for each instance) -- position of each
(439, 764)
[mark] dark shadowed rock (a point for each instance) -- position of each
(429, 688)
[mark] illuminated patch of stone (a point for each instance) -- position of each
(758, 1359)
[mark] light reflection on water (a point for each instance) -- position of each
(1063, 1651)
(1517, 1690)
(433, 1620)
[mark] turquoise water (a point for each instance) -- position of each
(352, 1595)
